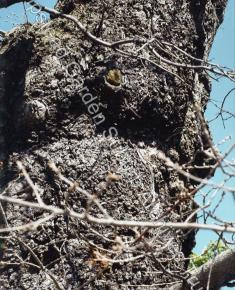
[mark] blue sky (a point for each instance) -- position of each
(15, 14)
(223, 52)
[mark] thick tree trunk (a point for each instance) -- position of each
(94, 111)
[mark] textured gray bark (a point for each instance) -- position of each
(44, 117)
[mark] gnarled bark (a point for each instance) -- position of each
(97, 112)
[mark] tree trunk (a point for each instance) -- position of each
(102, 116)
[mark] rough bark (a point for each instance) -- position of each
(44, 118)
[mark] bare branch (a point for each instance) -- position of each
(117, 223)
(221, 271)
